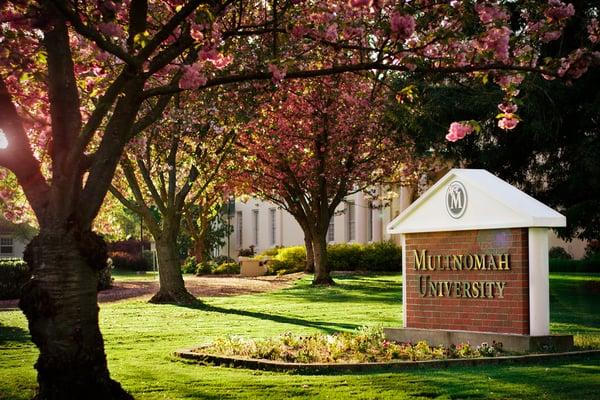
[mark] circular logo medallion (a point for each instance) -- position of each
(456, 199)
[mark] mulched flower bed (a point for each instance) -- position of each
(364, 346)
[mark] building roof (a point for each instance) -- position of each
(490, 203)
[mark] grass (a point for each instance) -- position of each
(140, 338)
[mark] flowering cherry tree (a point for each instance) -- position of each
(312, 144)
(163, 176)
(80, 79)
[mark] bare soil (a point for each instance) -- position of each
(199, 286)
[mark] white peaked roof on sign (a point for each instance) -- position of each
(491, 204)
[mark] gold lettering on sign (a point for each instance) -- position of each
(420, 260)
(503, 262)
(481, 289)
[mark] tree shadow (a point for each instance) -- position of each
(329, 327)
(347, 289)
(13, 334)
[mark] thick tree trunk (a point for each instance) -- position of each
(322, 276)
(310, 257)
(172, 288)
(61, 307)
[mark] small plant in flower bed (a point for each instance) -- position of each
(363, 346)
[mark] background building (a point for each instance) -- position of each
(14, 239)
(265, 225)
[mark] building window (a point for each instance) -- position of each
(331, 230)
(273, 225)
(239, 228)
(370, 222)
(6, 246)
(255, 226)
(351, 222)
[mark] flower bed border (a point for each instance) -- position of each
(278, 366)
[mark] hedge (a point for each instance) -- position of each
(14, 273)
(588, 265)
(380, 256)
(126, 261)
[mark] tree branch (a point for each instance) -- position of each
(18, 156)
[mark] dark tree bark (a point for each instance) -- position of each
(61, 306)
(322, 275)
(172, 287)
(310, 257)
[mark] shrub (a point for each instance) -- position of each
(131, 246)
(205, 268)
(345, 256)
(559, 252)
(129, 262)
(246, 252)
(14, 273)
(592, 249)
(189, 266)
(148, 255)
(585, 265)
(223, 259)
(272, 252)
(382, 256)
(288, 260)
(105, 279)
(227, 269)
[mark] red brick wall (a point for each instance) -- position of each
(503, 315)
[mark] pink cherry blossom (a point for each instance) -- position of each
(278, 74)
(559, 10)
(508, 123)
(508, 108)
(110, 29)
(550, 36)
(497, 41)
(331, 34)
(491, 13)
(192, 78)
(458, 130)
(359, 3)
(402, 25)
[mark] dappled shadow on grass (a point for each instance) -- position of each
(573, 308)
(329, 327)
(348, 288)
(13, 334)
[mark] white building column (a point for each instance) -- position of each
(361, 209)
(539, 283)
(377, 223)
(406, 193)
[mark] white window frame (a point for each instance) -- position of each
(370, 223)
(255, 226)
(273, 225)
(331, 230)
(239, 219)
(351, 220)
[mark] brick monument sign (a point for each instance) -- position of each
(475, 265)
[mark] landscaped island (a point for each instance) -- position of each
(366, 345)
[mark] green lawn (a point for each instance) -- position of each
(141, 337)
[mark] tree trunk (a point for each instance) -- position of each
(310, 257)
(61, 307)
(172, 288)
(200, 247)
(322, 276)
